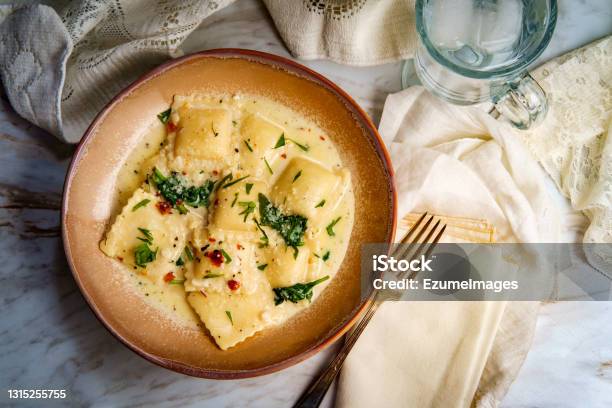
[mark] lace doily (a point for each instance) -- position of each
(574, 143)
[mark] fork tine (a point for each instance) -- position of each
(426, 240)
(431, 245)
(416, 228)
(403, 251)
(413, 228)
(435, 241)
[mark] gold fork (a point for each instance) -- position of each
(313, 396)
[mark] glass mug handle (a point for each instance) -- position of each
(522, 102)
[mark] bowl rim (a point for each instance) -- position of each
(274, 61)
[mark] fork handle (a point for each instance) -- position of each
(313, 396)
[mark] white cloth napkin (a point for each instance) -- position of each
(461, 162)
(458, 161)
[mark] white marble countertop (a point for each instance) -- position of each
(50, 339)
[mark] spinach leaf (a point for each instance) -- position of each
(174, 190)
(290, 227)
(297, 292)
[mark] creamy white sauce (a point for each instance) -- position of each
(157, 149)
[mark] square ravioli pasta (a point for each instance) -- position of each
(236, 205)
(259, 137)
(203, 133)
(309, 189)
(232, 318)
(147, 240)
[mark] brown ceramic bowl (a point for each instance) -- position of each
(88, 207)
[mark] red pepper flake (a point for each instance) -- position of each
(164, 207)
(239, 246)
(216, 202)
(284, 156)
(184, 173)
(171, 126)
(233, 284)
(211, 239)
(203, 292)
(321, 137)
(169, 277)
(216, 257)
(215, 172)
(120, 258)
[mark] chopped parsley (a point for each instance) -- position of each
(213, 275)
(141, 204)
(143, 254)
(249, 186)
(235, 199)
(321, 204)
(297, 176)
(330, 227)
(262, 267)
(148, 237)
(249, 208)
(223, 180)
(265, 241)
(301, 146)
(297, 292)
(231, 183)
(164, 116)
(189, 253)
(246, 142)
(229, 316)
(180, 262)
(325, 256)
(181, 208)
(177, 281)
(212, 127)
(280, 142)
(228, 258)
(290, 227)
(268, 166)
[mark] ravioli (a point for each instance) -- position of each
(307, 188)
(169, 234)
(203, 133)
(236, 204)
(232, 211)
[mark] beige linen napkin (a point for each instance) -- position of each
(456, 161)
(459, 161)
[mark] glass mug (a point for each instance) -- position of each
(472, 51)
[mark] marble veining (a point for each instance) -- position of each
(50, 338)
